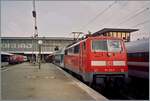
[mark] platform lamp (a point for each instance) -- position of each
(40, 42)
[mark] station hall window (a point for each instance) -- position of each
(110, 33)
(128, 36)
(119, 35)
(114, 34)
(123, 35)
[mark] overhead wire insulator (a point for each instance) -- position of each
(34, 14)
(36, 35)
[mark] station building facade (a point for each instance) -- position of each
(29, 46)
(125, 34)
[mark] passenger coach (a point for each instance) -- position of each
(138, 58)
(58, 58)
(97, 57)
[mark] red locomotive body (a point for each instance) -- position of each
(97, 57)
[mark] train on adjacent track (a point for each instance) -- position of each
(8, 58)
(96, 57)
(138, 58)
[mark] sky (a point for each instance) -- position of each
(60, 18)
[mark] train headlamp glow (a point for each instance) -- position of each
(98, 63)
(119, 63)
(109, 54)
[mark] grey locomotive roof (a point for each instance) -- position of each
(5, 53)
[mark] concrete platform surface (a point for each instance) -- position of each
(25, 81)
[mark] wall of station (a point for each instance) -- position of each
(21, 45)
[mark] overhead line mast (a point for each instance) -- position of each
(35, 35)
(35, 20)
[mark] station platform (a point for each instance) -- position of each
(26, 82)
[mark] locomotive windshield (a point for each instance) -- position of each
(114, 45)
(99, 45)
(106, 45)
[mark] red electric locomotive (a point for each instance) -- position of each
(97, 57)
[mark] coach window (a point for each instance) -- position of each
(146, 56)
(76, 49)
(129, 55)
(70, 51)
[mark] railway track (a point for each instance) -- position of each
(136, 89)
(112, 93)
(125, 93)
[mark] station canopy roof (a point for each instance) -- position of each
(40, 38)
(105, 30)
(5, 53)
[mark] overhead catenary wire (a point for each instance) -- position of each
(134, 12)
(35, 19)
(134, 15)
(142, 23)
(97, 16)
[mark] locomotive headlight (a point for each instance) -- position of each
(98, 63)
(119, 63)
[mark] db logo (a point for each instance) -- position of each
(109, 63)
(111, 70)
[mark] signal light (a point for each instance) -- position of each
(34, 14)
(35, 27)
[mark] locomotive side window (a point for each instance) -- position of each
(99, 45)
(70, 51)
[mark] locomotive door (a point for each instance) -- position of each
(81, 59)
